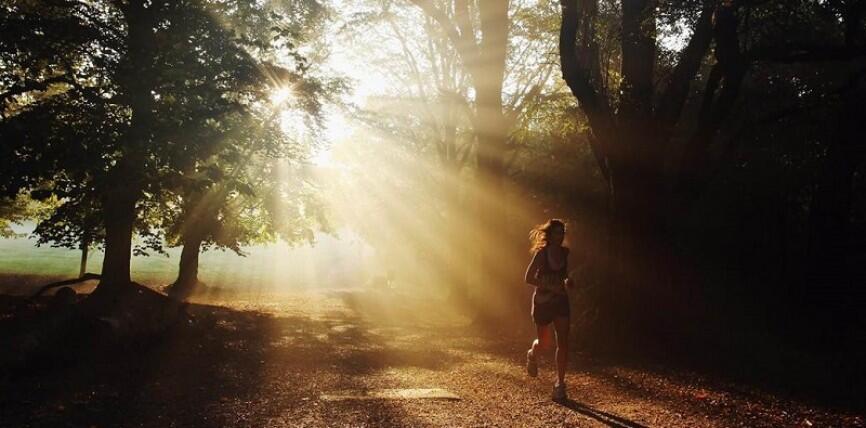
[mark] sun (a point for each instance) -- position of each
(280, 95)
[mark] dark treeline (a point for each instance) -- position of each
(735, 180)
(726, 215)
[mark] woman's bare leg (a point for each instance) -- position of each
(543, 340)
(561, 325)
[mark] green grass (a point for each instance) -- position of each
(332, 262)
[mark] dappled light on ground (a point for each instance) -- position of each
(268, 362)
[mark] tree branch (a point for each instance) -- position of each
(728, 73)
(464, 22)
(82, 278)
(26, 86)
(710, 88)
(464, 43)
(638, 58)
(674, 97)
(578, 78)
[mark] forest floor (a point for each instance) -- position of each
(320, 359)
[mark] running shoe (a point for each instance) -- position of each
(531, 364)
(559, 393)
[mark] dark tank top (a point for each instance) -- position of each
(545, 270)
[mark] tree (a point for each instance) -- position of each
(655, 156)
(480, 38)
(232, 196)
(241, 196)
(75, 224)
(466, 78)
(13, 211)
(121, 86)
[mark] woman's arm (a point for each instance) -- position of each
(574, 274)
(531, 277)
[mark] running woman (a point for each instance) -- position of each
(548, 273)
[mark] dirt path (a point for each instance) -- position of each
(269, 363)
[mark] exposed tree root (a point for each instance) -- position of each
(82, 278)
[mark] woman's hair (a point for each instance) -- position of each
(538, 234)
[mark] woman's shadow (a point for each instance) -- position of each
(603, 417)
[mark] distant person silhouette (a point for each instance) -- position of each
(548, 273)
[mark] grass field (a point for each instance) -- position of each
(332, 261)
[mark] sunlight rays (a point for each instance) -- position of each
(420, 217)
(280, 95)
(398, 202)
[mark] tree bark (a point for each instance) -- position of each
(632, 143)
(119, 217)
(484, 59)
(123, 188)
(638, 58)
(85, 247)
(639, 259)
(187, 277)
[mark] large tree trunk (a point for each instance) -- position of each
(485, 62)
(187, 277)
(200, 211)
(639, 259)
(484, 59)
(85, 248)
(119, 217)
(490, 222)
(457, 272)
(632, 144)
(488, 75)
(123, 188)
(636, 155)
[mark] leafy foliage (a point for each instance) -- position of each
(71, 85)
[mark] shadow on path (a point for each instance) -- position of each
(229, 367)
(608, 419)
